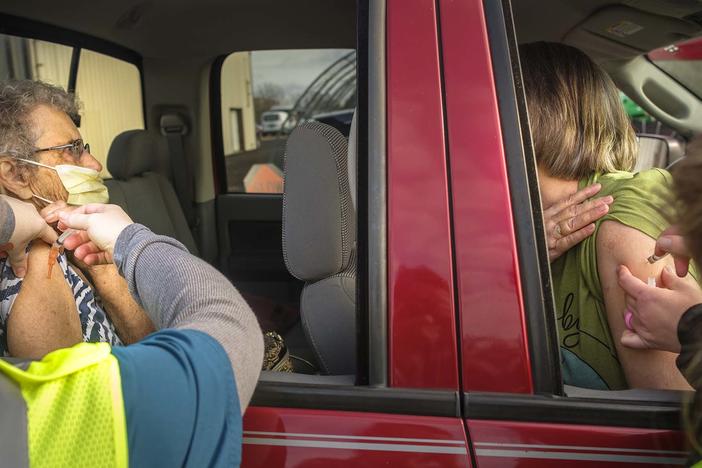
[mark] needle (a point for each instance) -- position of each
(654, 258)
(66, 234)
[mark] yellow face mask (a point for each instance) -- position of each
(83, 185)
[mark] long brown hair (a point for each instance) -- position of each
(578, 123)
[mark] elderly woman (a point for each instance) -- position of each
(582, 136)
(43, 160)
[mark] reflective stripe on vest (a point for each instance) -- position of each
(13, 425)
(75, 412)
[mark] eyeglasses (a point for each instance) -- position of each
(76, 148)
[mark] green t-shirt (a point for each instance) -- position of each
(588, 353)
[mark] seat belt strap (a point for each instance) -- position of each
(173, 127)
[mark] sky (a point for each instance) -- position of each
(293, 70)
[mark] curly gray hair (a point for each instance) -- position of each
(18, 98)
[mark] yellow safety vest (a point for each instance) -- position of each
(75, 411)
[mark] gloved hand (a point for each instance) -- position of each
(97, 229)
(29, 225)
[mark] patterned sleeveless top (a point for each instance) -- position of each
(94, 323)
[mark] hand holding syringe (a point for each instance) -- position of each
(672, 242)
(95, 229)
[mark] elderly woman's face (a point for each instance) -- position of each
(53, 127)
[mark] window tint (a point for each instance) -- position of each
(110, 93)
(22, 58)
(266, 94)
(683, 62)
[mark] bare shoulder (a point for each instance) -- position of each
(618, 244)
(620, 239)
(44, 316)
(37, 282)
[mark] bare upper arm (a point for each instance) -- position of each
(618, 244)
(44, 316)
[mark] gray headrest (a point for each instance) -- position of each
(353, 159)
(319, 228)
(132, 153)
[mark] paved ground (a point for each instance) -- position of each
(270, 151)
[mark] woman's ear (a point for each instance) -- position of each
(13, 179)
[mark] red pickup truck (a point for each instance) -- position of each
(458, 328)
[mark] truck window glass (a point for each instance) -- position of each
(109, 90)
(683, 62)
(266, 94)
(32, 59)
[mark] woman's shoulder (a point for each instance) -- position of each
(37, 260)
(641, 200)
(628, 183)
(36, 288)
(41, 276)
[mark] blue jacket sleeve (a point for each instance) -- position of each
(180, 401)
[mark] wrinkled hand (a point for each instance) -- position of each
(29, 225)
(97, 229)
(672, 242)
(656, 311)
(570, 221)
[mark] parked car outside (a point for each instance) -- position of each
(272, 121)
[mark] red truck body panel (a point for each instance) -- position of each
(276, 437)
(493, 334)
(420, 284)
(688, 50)
(527, 445)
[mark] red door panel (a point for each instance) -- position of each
(422, 324)
(421, 316)
(284, 437)
(525, 445)
(494, 344)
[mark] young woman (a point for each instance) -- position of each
(582, 136)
